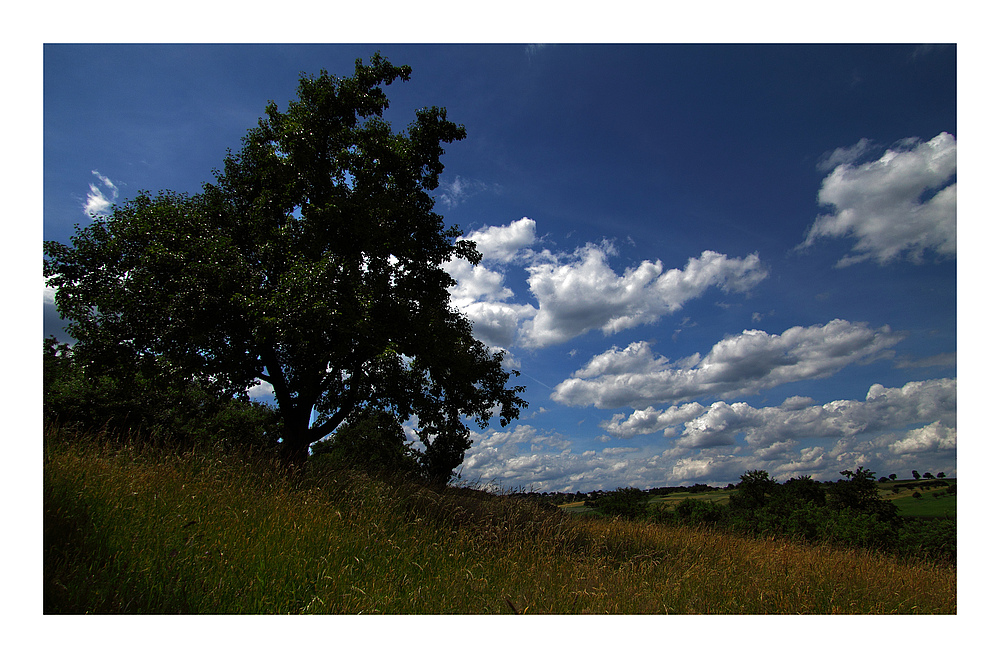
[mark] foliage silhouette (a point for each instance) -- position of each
(627, 502)
(150, 403)
(374, 441)
(313, 263)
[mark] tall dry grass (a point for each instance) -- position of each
(130, 529)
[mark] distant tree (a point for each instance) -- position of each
(627, 502)
(754, 490)
(314, 263)
(694, 511)
(941, 475)
(928, 476)
(916, 475)
(860, 492)
(804, 489)
(892, 476)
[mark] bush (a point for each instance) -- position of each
(374, 442)
(860, 530)
(700, 512)
(150, 402)
(860, 493)
(627, 502)
(855, 515)
(929, 539)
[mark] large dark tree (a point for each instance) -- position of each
(313, 263)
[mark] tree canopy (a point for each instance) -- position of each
(312, 263)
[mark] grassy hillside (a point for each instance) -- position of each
(936, 500)
(135, 530)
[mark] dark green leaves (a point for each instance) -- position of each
(313, 263)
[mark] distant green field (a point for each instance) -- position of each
(577, 508)
(671, 500)
(927, 505)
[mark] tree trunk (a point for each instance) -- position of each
(296, 436)
(295, 445)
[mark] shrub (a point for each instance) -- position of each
(151, 401)
(860, 493)
(860, 530)
(374, 442)
(627, 502)
(929, 538)
(701, 512)
(802, 490)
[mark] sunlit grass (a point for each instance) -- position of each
(136, 530)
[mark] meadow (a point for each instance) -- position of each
(134, 529)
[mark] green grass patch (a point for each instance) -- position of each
(936, 500)
(944, 507)
(673, 500)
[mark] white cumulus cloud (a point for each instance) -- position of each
(899, 206)
(585, 293)
(737, 365)
(931, 401)
(935, 436)
(717, 443)
(578, 292)
(504, 243)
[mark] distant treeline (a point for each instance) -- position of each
(563, 498)
(849, 512)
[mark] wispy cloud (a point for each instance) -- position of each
(899, 206)
(943, 360)
(459, 189)
(845, 155)
(100, 198)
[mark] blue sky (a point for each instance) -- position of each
(703, 259)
